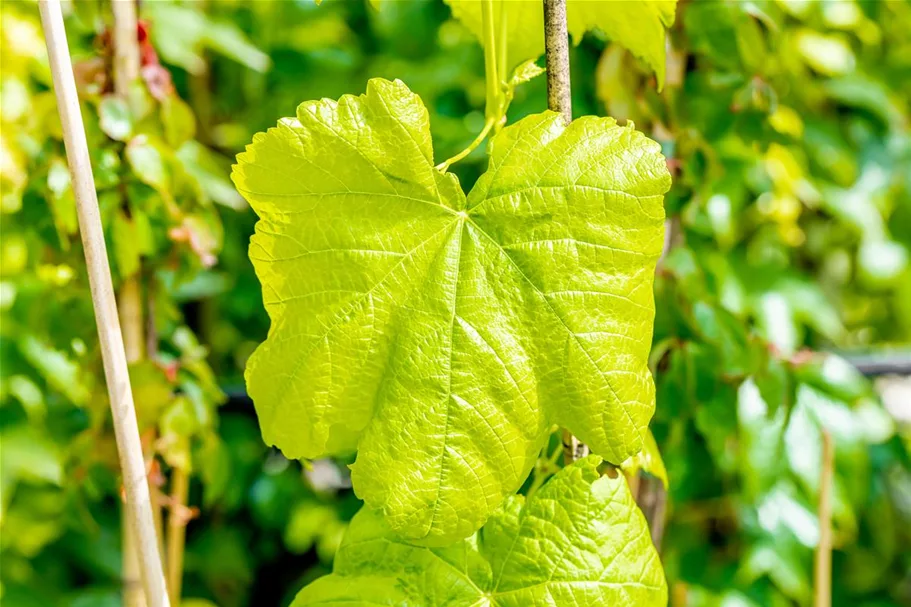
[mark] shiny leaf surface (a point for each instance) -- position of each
(442, 335)
(519, 559)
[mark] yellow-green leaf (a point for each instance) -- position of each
(521, 558)
(638, 25)
(442, 335)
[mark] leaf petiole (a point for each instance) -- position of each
(488, 125)
(494, 65)
(494, 94)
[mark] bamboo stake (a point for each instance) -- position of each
(823, 566)
(130, 575)
(556, 55)
(130, 311)
(139, 507)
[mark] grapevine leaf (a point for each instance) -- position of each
(57, 368)
(519, 559)
(638, 25)
(114, 118)
(441, 336)
(148, 164)
(125, 244)
(526, 72)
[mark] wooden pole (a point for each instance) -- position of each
(126, 430)
(823, 565)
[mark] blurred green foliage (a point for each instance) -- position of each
(789, 126)
(59, 459)
(786, 124)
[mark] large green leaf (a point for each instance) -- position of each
(521, 558)
(638, 25)
(441, 335)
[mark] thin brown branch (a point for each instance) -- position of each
(652, 500)
(126, 47)
(556, 49)
(129, 296)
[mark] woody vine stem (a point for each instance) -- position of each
(129, 295)
(556, 56)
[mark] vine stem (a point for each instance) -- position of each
(823, 565)
(492, 78)
(177, 530)
(543, 472)
(652, 500)
(126, 49)
(130, 299)
(488, 125)
(502, 42)
(556, 57)
(123, 413)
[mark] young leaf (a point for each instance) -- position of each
(441, 335)
(638, 25)
(114, 118)
(125, 245)
(178, 121)
(148, 164)
(526, 72)
(518, 559)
